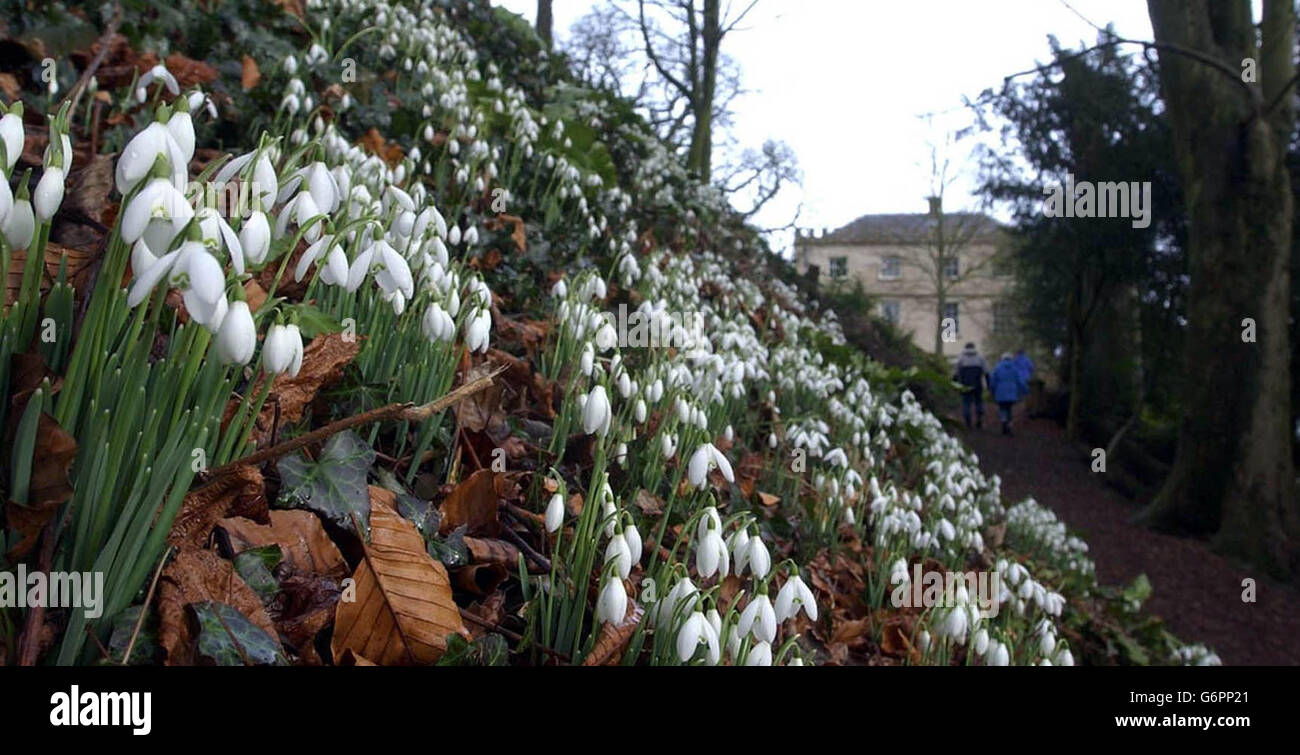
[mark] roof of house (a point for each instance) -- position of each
(904, 228)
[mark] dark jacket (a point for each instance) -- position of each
(1006, 382)
(971, 371)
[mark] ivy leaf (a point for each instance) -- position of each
(488, 650)
(254, 566)
(313, 322)
(227, 637)
(335, 484)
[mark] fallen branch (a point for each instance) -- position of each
(403, 411)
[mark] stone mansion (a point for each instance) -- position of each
(904, 260)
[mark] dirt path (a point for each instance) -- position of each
(1197, 592)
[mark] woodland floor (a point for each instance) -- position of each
(1196, 591)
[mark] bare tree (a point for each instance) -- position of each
(942, 246)
(760, 175)
(545, 21)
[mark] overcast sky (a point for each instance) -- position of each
(844, 81)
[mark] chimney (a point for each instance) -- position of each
(936, 206)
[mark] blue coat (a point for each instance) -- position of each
(1006, 382)
(1025, 365)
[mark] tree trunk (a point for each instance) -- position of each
(701, 153)
(1233, 471)
(545, 20)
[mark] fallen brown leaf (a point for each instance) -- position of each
(472, 503)
(299, 534)
(613, 638)
(238, 492)
(49, 488)
(249, 74)
(403, 610)
(323, 361)
(197, 576)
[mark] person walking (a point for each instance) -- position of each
(1008, 386)
(1024, 365)
(972, 372)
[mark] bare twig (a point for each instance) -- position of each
(80, 87)
(403, 411)
(148, 598)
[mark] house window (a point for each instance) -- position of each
(950, 268)
(891, 311)
(839, 267)
(950, 313)
(1003, 317)
(891, 268)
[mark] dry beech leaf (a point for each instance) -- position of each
(649, 503)
(197, 576)
(300, 536)
(79, 268)
(323, 361)
(403, 610)
(52, 456)
(238, 492)
(767, 499)
(249, 73)
(613, 638)
(492, 551)
(472, 503)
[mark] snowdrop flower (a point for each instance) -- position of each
(20, 224)
(683, 593)
(760, 655)
(49, 193)
(794, 594)
(588, 359)
(159, 207)
(181, 127)
(478, 329)
(265, 183)
(981, 642)
(143, 151)
(739, 542)
(611, 606)
(199, 277)
(216, 232)
(954, 625)
(237, 337)
(758, 559)
(160, 73)
(633, 538)
(639, 412)
(255, 237)
(711, 555)
(1047, 643)
(437, 324)
(705, 458)
(555, 513)
(282, 351)
(999, 655)
(606, 337)
(759, 618)
(618, 552)
(668, 445)
(696, 630)
(12, 135)
(709, 521)
(1063, 657)
(596, 413)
